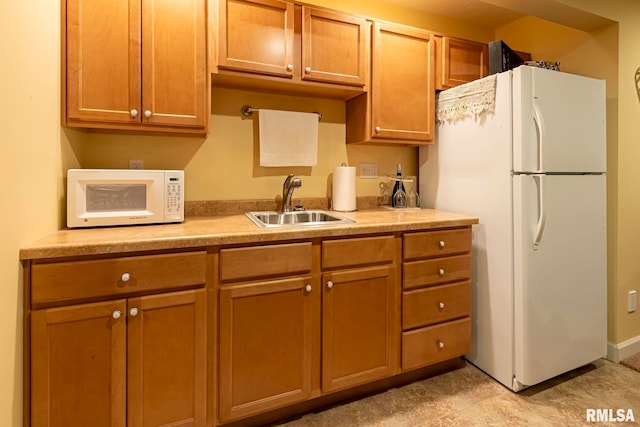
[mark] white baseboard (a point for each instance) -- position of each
(617, 352)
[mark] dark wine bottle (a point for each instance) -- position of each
(398, 195)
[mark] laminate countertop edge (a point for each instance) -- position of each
(200, 232)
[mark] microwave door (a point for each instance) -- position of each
(112, 198)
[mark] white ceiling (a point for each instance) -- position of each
(496, 13)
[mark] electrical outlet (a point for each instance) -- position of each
(632, 303)
(368, 170)
(136, 164)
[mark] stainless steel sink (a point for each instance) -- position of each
(271, 219)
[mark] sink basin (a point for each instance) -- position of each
(285, 219)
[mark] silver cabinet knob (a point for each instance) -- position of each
(134, 113)
(441, 272)
(148, 113)
(308, 288)
(378, 129)
(125, 277)
(307, 70)
(329, 284)
(441, 244)
(290, 67)
(440, 344)
(116, 314)
(133, 312)
(441, 305)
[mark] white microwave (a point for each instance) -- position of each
(108, 197)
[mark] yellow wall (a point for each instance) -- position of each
(35, 151)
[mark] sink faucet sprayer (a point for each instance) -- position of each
(289, 185)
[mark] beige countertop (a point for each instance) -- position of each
(228, 229)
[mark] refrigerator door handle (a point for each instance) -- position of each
(542, 216)
(537, 119)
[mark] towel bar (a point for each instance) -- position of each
(247, 111)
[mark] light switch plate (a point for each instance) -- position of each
(633, 301)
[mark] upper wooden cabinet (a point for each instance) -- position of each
(136, 65)
(399, 106)
(334, 47)
(256, 36)
(309, 46)
(459, 61)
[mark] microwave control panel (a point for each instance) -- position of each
(174, 195)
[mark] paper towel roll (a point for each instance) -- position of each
(344, 188)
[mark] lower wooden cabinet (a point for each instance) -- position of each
(137, 361)
(127, 341)
(266, 340)
(286, 338)
(357, 324)
(436, 297)
(437, 343)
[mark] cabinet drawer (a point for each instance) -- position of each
(437, 243)
(359, 251)
(435, 344)
(435, 304)
(78, 280)
(261, 261)
(434, 271)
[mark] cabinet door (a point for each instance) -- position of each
(461, 61)
(167, 359)
(265, 346)
(174, 77)
(358, 313)
(102, 60)
(402, 87)
(78, 365)
(257, 36)
(334, 48)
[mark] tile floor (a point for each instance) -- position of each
(468, 397)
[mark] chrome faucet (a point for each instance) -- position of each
(289, 185)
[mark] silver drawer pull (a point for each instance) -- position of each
(125, 277)
(441, 272)
(441, 305)
(308, 288)
(441, 244)
(440, 344)
(116, 314)
(329, 284)
(133, 312)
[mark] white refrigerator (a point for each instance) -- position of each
(530, 164)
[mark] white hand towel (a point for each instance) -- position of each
(288, 138)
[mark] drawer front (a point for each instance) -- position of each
(358, 251)
(437, 243)
(435, 344)
(79, 280)
(422, 307)
(435, 271)
(263, 261)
